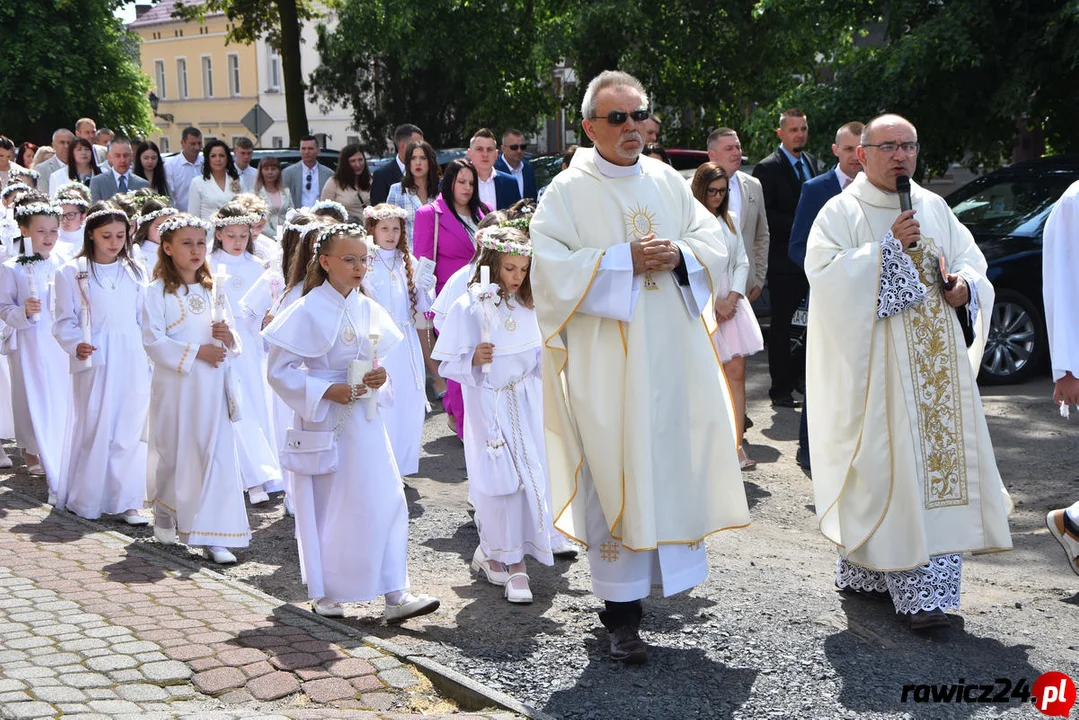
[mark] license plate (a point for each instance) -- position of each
(801, 318)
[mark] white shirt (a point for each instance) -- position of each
(487, 191)
(247, 177)
(734, 195)
(844, 179)
(518, 174)
(127, 179)
(180, 173)
(309, 180)
(400, 164)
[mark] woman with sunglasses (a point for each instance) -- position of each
(738, 334)
(350, 184)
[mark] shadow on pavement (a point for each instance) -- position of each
(607, 689)
(54, 529)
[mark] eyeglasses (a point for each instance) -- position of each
(353, 260)
(909, 148)
(520, 146)
(70, 215)
(716, 192)
(617, 117)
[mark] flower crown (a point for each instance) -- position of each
(183, 221)
(331, 230)
(303, 229)
(14, 188)
(27, 172)
(70, 186)
(520, 223)
(484, 239)
(329, 205)
(38, 208)
(391, 212)
(151, 216)
(76, 200)
(108, 211)
(140, 200)
(252, 219)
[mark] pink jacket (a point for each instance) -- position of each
(455, 248)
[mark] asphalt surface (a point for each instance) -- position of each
(766, 635)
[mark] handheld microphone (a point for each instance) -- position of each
(902, 186)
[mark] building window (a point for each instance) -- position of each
(163, 144)
(159, 77)
(181, 78)
(275, 72)
(278, 141)
(207, 77)
(234, 74)
(352, 140)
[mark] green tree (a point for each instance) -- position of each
(449, 66)
(280, 23)
(65, 59)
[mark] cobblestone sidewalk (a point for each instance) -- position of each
(93, 627)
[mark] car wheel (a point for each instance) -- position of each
(1016, 342)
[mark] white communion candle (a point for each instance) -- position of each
(372, 401)
(32, 282)
(221, 279)
(357, 368)
(485, 325)
(84, 320)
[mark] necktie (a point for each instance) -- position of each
(843, 182)
(801, 171)
(123, 183)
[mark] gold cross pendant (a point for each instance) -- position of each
(649, 283)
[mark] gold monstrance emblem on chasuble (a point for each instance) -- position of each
(640, 223)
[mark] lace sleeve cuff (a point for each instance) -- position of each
(900, 287)
(972, 304)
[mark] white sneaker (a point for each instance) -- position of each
(521, 596)
(220, 555)
(327, 608)
(410, 606)
(1059, 528)
(482, 565)
(257, 496)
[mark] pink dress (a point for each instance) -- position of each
(741, 335)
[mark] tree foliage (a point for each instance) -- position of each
(278, 21)
(66, 59)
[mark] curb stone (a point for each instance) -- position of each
(469, 694)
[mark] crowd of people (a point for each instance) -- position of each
(180, 333)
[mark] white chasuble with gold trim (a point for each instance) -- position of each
(903, 466)
(642, 404)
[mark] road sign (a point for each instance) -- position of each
(257, 121)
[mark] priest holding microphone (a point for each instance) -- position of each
(903, 468)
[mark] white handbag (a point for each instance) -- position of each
(309, 452)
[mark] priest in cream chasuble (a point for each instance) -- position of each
(637, 415)
(903, 468)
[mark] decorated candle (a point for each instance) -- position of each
(372, 401)
(485, 325)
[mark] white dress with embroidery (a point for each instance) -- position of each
(255, 438)
(504, 444)
(387, 284)
(104, 469)
(351, 524)
(193, 474)
(40, 381)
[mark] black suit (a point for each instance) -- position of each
(787, 285)
(382, 179)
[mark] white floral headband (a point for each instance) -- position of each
(303, 229)
(329, 205)
(484, 239)
(182, 221)
(38, 208)
(72, 185)
(151, 216)
(220, 222)
(391, 212)
(328, 232)
(102, 213)
(26, 172)
(14, 188)
(78, 201)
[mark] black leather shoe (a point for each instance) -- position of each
(747, 424)
(928, 620)
(787, 401)
(627, 646)
(882, 595)
(802, 458)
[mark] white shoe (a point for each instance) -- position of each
(53, 500)
(136, 520)
(220, 555)
(290, 508)
(165, 536)
(1069, 540)
(410, 606)
(523, 595)
(257, 496)
(566, 550)
(327, 608)
(481, 564)
(36, 469)
(5, 461)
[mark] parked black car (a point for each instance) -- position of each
(1006, 211)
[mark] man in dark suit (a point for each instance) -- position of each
(394, 170)
(497, 190)
(782, 174)
(815, 194)
(117, 177)
(512, 162)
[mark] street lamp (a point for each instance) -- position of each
(155, 101)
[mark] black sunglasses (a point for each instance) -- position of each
(308, 183)
(617, 117)
(521, 146)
